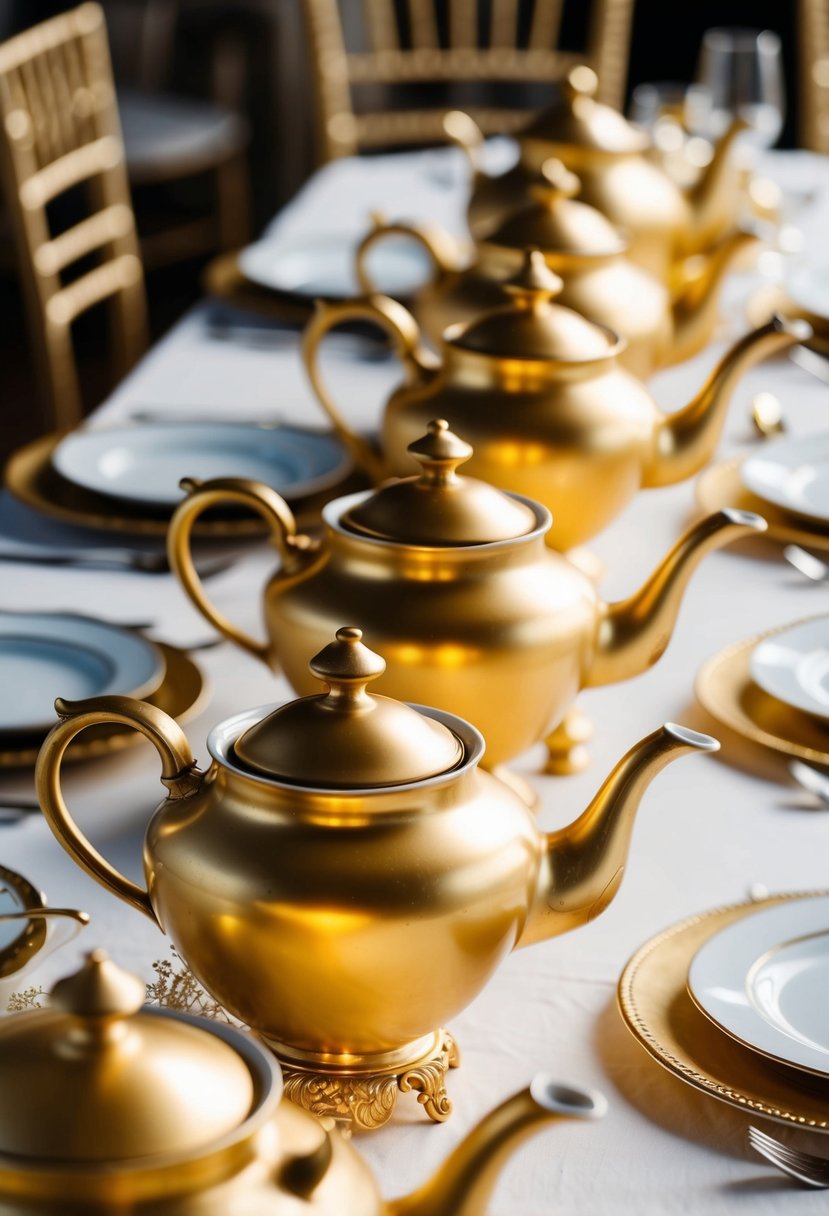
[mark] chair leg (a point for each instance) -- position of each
(233, 202)
(60, 376)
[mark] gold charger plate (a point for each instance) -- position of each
(655, 1004)
(726, 691)
(30, 477)
(721, 486)
(180, 694)
(771, 298)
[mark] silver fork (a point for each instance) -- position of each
(807, 1168)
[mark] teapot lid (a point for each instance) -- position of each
(530, 326)
(555, 223)
(346, 737)
(95, 1078)
(578, 120)
(439, 507)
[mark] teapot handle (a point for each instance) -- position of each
(441, 248)
(220, 491)
(388, 315)
(178, 773)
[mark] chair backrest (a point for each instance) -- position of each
(429, 43)
(60, 135)
(813, 43)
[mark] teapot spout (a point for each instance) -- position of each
(696, 300)
(634, 633)
(708, 198)
(585, 861)
(685, 440)
(465, 1182)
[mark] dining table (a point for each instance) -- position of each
(711, 830)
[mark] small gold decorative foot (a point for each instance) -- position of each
(365, 1101)
(567, 746)
(518, 784)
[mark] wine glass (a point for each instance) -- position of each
(741, 73)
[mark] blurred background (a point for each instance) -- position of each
(221, 109)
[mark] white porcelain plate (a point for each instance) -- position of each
(792, 474)
(49, 655)
(322, 265)
(793, 665)
(144, 464)
(808, 287)
(764, 980)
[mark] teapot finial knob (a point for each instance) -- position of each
(100, 989)
(581, 81)
(439, 453)
(556, 182)
(534, 283)
(346, 665)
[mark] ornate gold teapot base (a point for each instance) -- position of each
(567, 751)
(360, 1092)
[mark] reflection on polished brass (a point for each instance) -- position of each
(365, 1101)
(181, 694)
(618, 177)
(660, 1014)
(128, 1109)
(726, 691)
(599, 280)
(721, 485)
(346, 925)
(538, 392)
(461, 624)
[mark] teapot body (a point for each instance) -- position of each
(341, 924)
(575, 439)
(471, 629)
(250, 1187)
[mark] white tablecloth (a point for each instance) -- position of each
(706, 830)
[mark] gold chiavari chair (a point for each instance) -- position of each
(449, 42)
(61, 135)
(813, 43)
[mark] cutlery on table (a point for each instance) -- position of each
(810, 779)
(767, 415)
(807, 1168)
(144, 562)
(806, 563)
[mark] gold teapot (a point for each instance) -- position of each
(539, 393)
(454, 583)
(579, 244)
(110, 1108)
(340, 852)
(611, 157)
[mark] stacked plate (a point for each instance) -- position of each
(733, 1002)
(773, 690)
(127, 477)
(322, 265)
(49, 655)
(787, 482)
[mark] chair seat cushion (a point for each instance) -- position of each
(169, 137)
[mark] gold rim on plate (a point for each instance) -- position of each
(721, 486)
(658, 1011)
(180, 694)
(726, 691)
(32, 480)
